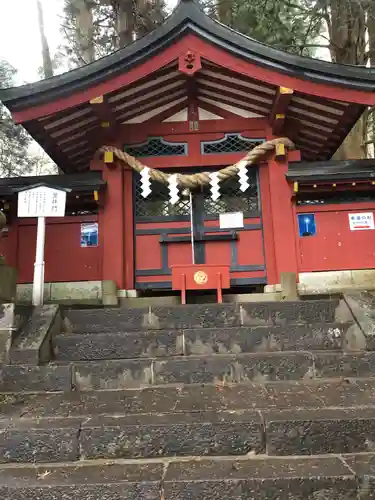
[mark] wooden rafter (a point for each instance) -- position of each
(217, 110)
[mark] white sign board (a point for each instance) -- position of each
(41, 201)
(361, 221)
(231, 220)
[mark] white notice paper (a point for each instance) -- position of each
(231, 220)
(361, 221)
(41, 201)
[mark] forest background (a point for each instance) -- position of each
(341, 31)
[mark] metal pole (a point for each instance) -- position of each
(192, 226)
(38, 285)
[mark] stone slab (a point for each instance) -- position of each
(39, 441)
(354, 365)
(24, 293)
(362, 307)
(320, 336)
(323, 431)
(171, 434)
(191, 398)
(195, 316)
(120, 374)
(35, 378)
(7, 331)
(283, 313)
(105, 320)
(33, 345)
(364, 468)
(119, 491)
(109, 293)
(154, 343)
(302, 478)
(8, 280)
(288, 282)
(234, 368)
(261, 479)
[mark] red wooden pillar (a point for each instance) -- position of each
(111, 225)
(129, 228)
(267, 223)
(282, 220)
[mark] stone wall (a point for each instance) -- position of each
(77, 292)
(8, 279)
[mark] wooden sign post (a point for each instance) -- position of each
(41, 201)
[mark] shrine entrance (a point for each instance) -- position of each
(226, 231)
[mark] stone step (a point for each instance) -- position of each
(286, 478)
(162, 343)
(317, 431)
(221, 369)
(199, 316)
(191, 398)
(45, 440)
(216, 368)
(133, 436)
(320, 431)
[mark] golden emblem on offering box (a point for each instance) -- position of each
(200, 278)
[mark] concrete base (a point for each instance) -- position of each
(331, 282)
(8, 280)
(75, 292)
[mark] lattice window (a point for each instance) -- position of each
(232, 143)
(157, 146)
(232, 199)
(157, 204)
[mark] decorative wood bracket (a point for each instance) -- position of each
(189, 62)
(104, 113)
(279, 109)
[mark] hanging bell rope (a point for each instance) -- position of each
(191, 181)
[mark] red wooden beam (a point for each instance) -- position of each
(135, 131)
(279, 110)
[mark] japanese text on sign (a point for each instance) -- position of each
(41, 201)
(362, 221)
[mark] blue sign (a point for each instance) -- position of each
(89, 234)
(306, 225)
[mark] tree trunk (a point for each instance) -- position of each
(347, 28)
(224, 12)
(125, 22)
(46, 56)
(85, 30)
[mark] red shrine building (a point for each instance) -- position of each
(193, 96)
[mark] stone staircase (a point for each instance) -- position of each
(263, 401)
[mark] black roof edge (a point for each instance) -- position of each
(85, 182)
(333, 170)
(42, 184)
(188, 17)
